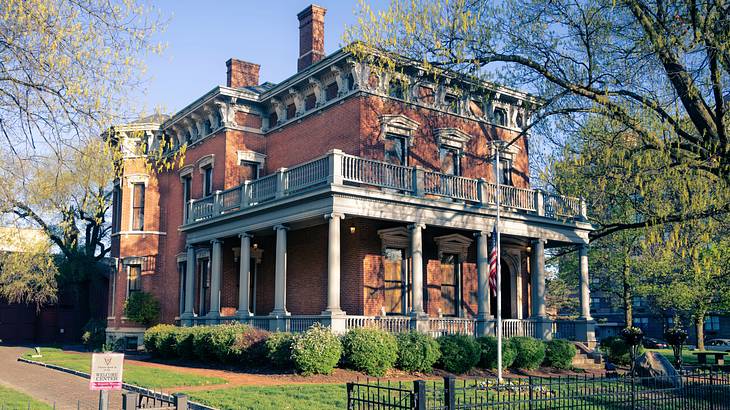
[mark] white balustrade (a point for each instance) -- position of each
(392, 324)
(451, 326)
(518, 327)
(367, 173)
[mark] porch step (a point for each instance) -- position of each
(586, 358)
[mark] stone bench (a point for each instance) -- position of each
(702, 357)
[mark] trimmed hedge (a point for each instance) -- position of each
(489, 352)
(154, 336)
(278, 349)
(250, 345)
(559, 353)
(372, 351)
(316, 351)
(617, 351)
(530, 352)
(417, 352)
(459, 353)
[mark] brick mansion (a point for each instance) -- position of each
(345, 195)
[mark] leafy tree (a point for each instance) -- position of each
(686, 270)
(28, 276)
(656, 71)
(560, 296)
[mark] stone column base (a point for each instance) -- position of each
(543, 328)
(419, 322)
(486, 326)
(336, 321)
(585, 331)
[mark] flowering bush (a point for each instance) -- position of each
(316, 351)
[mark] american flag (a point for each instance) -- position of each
(493, 264)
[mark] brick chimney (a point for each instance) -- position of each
(241, 73)
(311, 36)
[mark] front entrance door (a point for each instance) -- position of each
(506, 295)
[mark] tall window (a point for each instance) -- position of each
(203, 286)
(449, 161)
(187, 186)
(249, 170)
(181, 269)
(500, 116)
(134, 279)
(395, 267)
(138, 207)
(505, 171)
(396, 150)
(642, 323)
(207, 180)
(117, 216)
(450, 298)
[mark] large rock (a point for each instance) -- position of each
(659, 369)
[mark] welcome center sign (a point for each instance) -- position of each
(106, 371)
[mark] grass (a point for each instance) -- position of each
(687, 356)
(149, 377)
(305, 396)
(13, 399)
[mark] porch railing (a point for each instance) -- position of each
(452, 325)
(518, 327)
(337, 168)
(392, 324)
(564, 329)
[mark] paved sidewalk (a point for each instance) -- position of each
(52, 386)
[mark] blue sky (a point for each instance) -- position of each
(202, 35)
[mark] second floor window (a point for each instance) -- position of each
(117, 216)
(500, 117)
(187, 186)
(712, 323)
(207, 180)
(249, 171)
(449, 158)
(134, 279)
(396, 150)
(505, 171)
(138, 207)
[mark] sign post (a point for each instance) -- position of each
(106, 374)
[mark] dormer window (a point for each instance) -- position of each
(331, 91)
(451, 103)
(500, 116)
(395, 89)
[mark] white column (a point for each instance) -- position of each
(537, 271)
(483, 275)
(189, 282)
(244, 276)
(585, 293)
(215, 277)
(333, 265)
(417, 266)
(280, 272)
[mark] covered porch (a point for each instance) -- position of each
(349, 253)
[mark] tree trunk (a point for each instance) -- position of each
(700, 331)
(628, 303)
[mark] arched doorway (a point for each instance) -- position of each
(506, 294)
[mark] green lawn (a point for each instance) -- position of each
(687, 356)
(138, 375)
(13, 399)
(307, 396)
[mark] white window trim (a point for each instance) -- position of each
(208, 160)
(397, 237)
(454, 244)
(185, 172)
(452, 138)
(398, 125)
(131, 181)
(252, 156)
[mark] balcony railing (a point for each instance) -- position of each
(337, 168)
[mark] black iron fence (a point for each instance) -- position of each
(695, 389)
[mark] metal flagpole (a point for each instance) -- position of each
(498, 147)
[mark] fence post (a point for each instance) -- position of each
(449, 395)
(633, 392)
(419, 396)
(529, 387)
(129, 401)
(350, 404)
(181, 401)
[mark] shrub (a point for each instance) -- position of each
(617, 351)
(222, 341)
(530, 352)
(459, 353)
(152, 338)
(202, 349)
(167, 340)
(417, 352)
(250, 345)
(559, 353)
(142, 307)
(316, 351)
(278, 349)
(372, 351)
(93, 334)
(488, 358)
(184, 341)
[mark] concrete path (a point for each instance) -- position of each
(51, 386)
